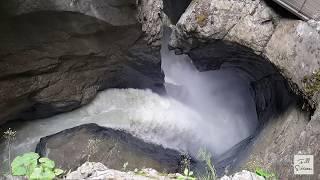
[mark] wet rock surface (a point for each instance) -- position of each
(290, 60)
(288, 44)
(150, 16)
(115, 12)
(174, 9)
(276, 106)
(113, 148)
(269, 88)
(55, 62)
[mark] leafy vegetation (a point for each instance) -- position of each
(124, 167)
(34, 168)
(187, 175)
(312, 83)
(92, 147)
(267, 175)
(210, 174)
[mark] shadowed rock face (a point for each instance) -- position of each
(72, 147)
(285, 129)
(174, 9)
(270, 88)
(115, 12)
(55, 62)
(288, 44)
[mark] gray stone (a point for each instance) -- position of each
(289, 45)
(115, 12)
(243, 175)
(72, 147)
(91, 170)
(295, 49)
(150, 16)
(55, 62)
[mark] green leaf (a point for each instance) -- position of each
(58, 172)
(181, 178)
(46, 162)
(190, 173)
(186, 172)
(264, 173)
(23, 165)
(27, 165)
(19, 171)
(48, 174)
(36, 174)
(30, 158)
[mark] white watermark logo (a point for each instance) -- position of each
(303, 164)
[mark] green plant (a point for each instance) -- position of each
(9, 135)
(124, 167)
(185, 168)
(92, 147)
(187, 175)
(312, 83)
(185, 162)
(265, 174)
(205, 156)
(31, 165)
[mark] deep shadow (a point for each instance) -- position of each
(175, 8)
(281, 10)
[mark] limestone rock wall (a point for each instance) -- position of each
(115, 12)
(55, 62)
(290, 45)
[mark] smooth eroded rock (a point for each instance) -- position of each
(52, 62)
(72, 147)
(115, 12)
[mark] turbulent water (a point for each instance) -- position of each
(223, 99)
(213, 110)
(147, 115)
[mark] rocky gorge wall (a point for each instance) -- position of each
(274, 50)
(279, 53)
(55, 62)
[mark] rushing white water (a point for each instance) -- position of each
(145, 114)
(222, 98)
(213, 110)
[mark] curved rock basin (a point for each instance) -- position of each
(214, 110)
(153, 118)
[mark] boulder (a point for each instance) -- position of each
(150, 16)
(72, 147)
(245, 175)
(91, 170)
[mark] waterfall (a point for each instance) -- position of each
(213, 110)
